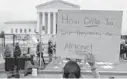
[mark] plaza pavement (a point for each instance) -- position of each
(54, 70)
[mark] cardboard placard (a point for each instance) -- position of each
(89, 31)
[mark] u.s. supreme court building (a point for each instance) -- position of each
(46, 19)
(27, 31)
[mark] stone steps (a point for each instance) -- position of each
(46, 58)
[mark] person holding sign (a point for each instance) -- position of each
(72, 69)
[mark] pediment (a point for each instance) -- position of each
(57, 4)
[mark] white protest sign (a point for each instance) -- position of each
(89, 31)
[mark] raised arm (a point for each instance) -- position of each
(91, 60)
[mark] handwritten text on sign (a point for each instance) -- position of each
(77, 48)
(84, 31)
(86, 21)
(80, 33)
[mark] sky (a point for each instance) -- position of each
(11, 10)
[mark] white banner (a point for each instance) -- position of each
(89, 31)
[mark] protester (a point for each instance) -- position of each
(28, 63)
(54, 48)
(8, 65)
(72, 69)
(17, 53)
(122, 51)
(39, 51)
(7, 52)
(53, 43)
(50, 50)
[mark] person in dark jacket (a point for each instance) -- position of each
(50, 50)
(17, 53)
(122, 51)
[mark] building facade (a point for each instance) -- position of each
(20, 27)
(46, 22)
(47, 15)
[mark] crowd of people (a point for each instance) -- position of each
(70, 70)
(31, 60)
(16, 54)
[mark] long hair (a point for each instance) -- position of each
(71, 70)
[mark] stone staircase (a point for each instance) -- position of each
(46, 58)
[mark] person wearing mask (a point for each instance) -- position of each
(73, 70)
